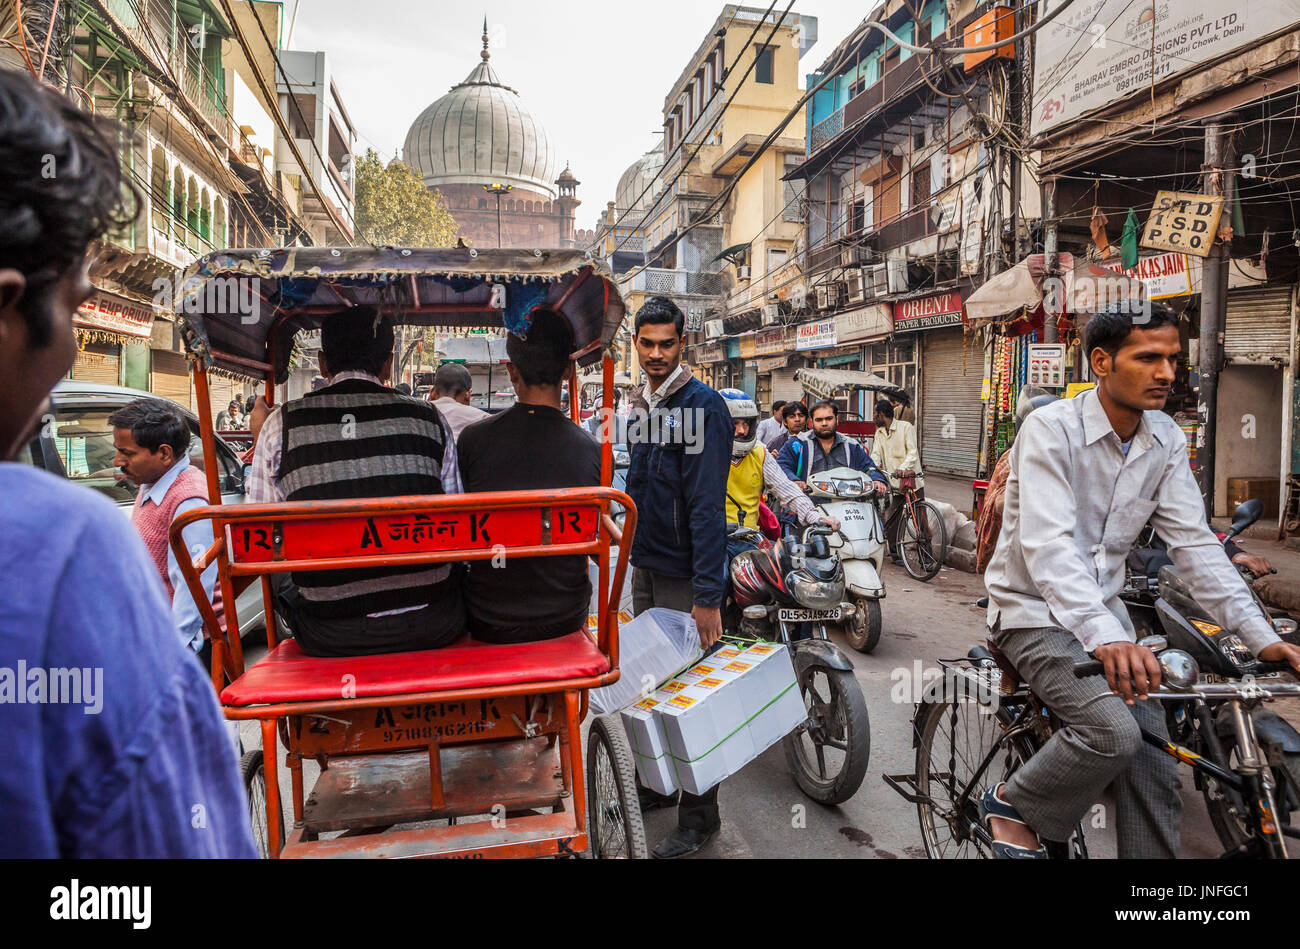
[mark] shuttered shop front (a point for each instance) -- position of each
(951, 410)
(170, 378)
(1258, 325)
(98, 362)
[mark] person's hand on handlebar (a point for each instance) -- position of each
(1130, 669)
(1282, 652)
(1256, 564)
(832, 522)
(881, 487)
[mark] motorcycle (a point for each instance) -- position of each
(775, 593)
(1158, 599)
(846, 495)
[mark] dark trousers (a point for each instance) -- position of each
(439, 623)
(649, 590)
(894, 518)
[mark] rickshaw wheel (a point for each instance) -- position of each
(614, 825)
(252, 770)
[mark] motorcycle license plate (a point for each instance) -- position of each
(808, 616)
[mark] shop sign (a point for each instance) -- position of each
(927, 313)
(866, 322)
(1184, 222)
(770, 342)
(771, 363)
(113, 314)
(747, 347)
(817, 335)
(712, 352)
(1163, 275)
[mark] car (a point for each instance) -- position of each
(77, 444)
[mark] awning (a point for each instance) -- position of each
(1087, 286)
(472, 350)
(827, 382)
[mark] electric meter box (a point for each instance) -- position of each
(1047, 365)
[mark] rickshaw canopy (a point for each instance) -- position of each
(828, 381)
(240, 309)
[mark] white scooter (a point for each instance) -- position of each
(846, 494)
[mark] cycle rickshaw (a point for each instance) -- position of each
(485, 738)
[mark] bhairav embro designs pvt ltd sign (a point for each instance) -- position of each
(927, 313)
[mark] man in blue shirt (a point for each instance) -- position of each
(114, 744)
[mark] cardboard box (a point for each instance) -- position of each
(646, 736)
(704, 728)
(772, 695)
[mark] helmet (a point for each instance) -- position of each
(741, 406)
(1031, 399)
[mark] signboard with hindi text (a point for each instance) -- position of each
(1184, 222)
(818, 335)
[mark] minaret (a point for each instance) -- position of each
(567, 204)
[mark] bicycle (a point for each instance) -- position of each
(922, 536)
(954, 767)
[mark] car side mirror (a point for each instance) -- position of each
(1245, 515)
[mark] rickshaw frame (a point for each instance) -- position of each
(565, 830)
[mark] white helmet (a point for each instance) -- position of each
(741, 406)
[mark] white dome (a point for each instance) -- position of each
(634, 181)
(481, 133)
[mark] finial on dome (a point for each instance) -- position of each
(485, 54)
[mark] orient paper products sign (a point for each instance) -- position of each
(926, 313)
(817, 335)
(1162, 276)
(1184, 222)
(1100, 51)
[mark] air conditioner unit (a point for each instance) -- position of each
(713, 329)
(896, 278)
(853, 283)
(771, 314)
(823, 297)
(851, 256)
(742, 272)
(877, 280)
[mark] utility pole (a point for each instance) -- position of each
(1051, 264)
(1214, 307)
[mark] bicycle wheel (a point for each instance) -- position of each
(253, 771)
(922, 541)
(614, 826)
(954, 737)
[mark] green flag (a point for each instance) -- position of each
(1128, 243)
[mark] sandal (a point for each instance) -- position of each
(993, 806)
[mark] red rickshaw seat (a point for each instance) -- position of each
(287, 674)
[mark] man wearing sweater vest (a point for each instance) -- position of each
(152, 440)
(357, 438)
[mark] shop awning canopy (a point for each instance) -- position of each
(828, 381)
(1087, 286)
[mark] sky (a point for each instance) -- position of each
(595, 72)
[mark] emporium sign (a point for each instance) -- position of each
(114, 314)
(927, 313)
(818, 335)
(1100, 52)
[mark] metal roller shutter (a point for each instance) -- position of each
(1258, 326)
(950, 404)
(785, 388)
(170, 378)
(98, 362)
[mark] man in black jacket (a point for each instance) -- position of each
(680, 440)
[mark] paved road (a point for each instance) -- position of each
(766, 815)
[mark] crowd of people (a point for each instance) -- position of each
(1083, 478)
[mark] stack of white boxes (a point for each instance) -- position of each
(714, 718)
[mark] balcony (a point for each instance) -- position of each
(913, 225)
(826, 130)
(675, 282)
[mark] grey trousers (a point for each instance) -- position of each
(649, 590)
(1099, 746)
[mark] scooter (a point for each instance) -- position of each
(845, 494)
(776, 594)
(1207, 727)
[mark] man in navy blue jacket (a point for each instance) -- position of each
(823, 448)
(679, 433)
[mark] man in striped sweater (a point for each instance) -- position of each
(357, 438)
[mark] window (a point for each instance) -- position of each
(890, 61)
(859, 86)
(857, 216)
(921, 185)
(763, 72)
(922, 33)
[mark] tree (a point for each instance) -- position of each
(393, 207)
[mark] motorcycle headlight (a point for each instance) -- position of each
(1235, 650)
(815, 594)
(849, 489)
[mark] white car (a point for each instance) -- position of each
(79, 446)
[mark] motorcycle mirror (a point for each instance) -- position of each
(1245, 515)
